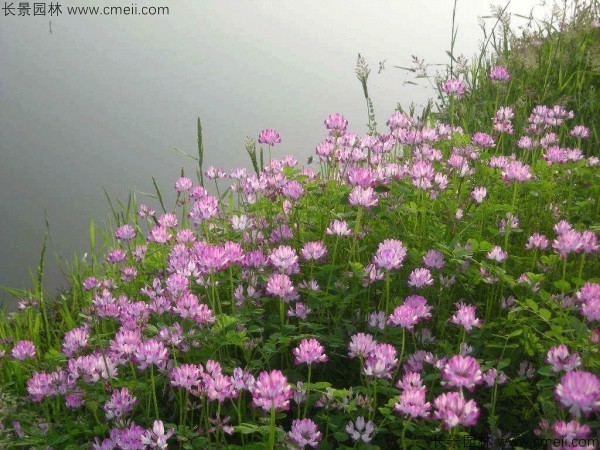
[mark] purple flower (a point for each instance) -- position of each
(125, 233)
(537, 241)
(157, 438)
(580, 392)
(390, 254)
(454, 87)
(499, 73)
(284, 259)
(271, 390)
(361, 430)
(363, 196)
(419, 278)
(314, 251)
(362, 345)
(75, 340)
(23, 350)
(568, 242)
(338, 228)
(580, 132)
(411, 402)
(74, 400)
(411, 380)
(381, 361)
(115, 256)
(183, 184)
(304, 432)
(492, 376)
(465, 317)
(90, 283)
(128, 438)
(151, 352)
(269, 137)
(376, 319)
(219, 387)
(497, 254)
(119, 405)
(301, 311)
(482, 140)
(407, 315)
(186, 376)
(560, 359)
(280, 285)
(453, 410)
(570, 432)
(309, 351)
(479, 194)
(516, 171)
(462, 371)
(336, 123)
(434, 259)
(39, 386)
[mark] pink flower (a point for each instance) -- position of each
(304, 432)
(499, 73)
(390, 254)
(40, 386)
(183, 184)
(309, 351)
(568, 242)
(580, 392)
(580, 132)
(419, 278)
(360, 430)
(537, 241)
(125, 233)
(482, 140)
(269, 137)
(338, 228)
(284, 259)
(434, 259)
(301, 311)
(271, 390)
(516, 171)
(560, 359)
(186, 376)
(453, 410)
(314, 251)
(74, 340)
(465, 317)
(23, 350)
(462, 371)
(120, 404)
(362, 345)
(478, 194)
(336, 123)
(411, 402)
(414, 309)
(381, 361)
(157, 438)
(454, 87)
(497, 254)
(363, 196)
(151, 352)
(280, 285)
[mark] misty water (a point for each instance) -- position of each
(88, 102)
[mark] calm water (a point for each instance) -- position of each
(93, 101)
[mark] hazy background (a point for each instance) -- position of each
(93, 101)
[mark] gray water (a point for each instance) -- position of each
(93, 101)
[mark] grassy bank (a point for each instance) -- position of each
(435, 283)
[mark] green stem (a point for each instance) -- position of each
(154, 392)
(272, 430)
